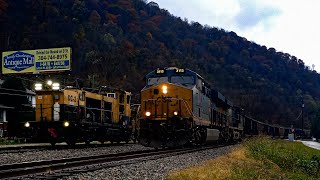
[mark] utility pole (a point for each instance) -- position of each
(302, 107)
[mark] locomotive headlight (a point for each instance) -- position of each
(175, 113)
(66, 124)
(49, 82)
(55, 86)
(27, 124)
(148, 113)
(164, 89)
(38, 86)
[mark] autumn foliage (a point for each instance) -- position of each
(118, 41)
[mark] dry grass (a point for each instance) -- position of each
(219, 168)
(247, 162)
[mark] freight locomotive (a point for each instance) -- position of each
(76, 115)
(179, 107)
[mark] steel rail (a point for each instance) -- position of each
(47, 146)
(36, 167)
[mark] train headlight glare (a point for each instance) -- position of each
(55, 86)
(27, 124)
(164, 89)
(38, 86)
(49, 82)
(66, 124)
(148, 113)
(175, 113)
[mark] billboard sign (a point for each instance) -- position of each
(36, 61)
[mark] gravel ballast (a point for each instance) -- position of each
(154, 169)
(10, 158)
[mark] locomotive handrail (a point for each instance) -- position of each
(93, 108)
(186, 104)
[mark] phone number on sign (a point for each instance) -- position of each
(53, 57)
(51, 65)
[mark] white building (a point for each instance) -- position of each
(3, 119)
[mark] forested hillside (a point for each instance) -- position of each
(116, 42)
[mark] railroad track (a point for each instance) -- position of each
(29, 148)
(21, 149)
(69, 166)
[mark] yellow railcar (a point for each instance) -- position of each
(77, 115)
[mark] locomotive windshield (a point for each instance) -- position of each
(157, 80)
(184, 80)
(173, 75)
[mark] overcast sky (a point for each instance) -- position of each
(290, 26)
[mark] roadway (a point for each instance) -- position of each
(312, 144)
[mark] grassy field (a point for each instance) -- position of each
(259, 158)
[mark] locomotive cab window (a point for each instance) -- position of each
(182, 80)
(157, 80)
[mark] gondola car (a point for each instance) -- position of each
(179, 107)
(76, 115)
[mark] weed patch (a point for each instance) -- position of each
(259, 158)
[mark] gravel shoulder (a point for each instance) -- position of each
(9, 158)
(154, 169)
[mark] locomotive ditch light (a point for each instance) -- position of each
(164, 89)
(148, 114)
(55, 86)
(27, 124)
(66, 124)
(175, 113)
(38, 86)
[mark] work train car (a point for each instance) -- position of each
(178, 107)
(76, 115)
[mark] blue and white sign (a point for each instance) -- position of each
(18, 61)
